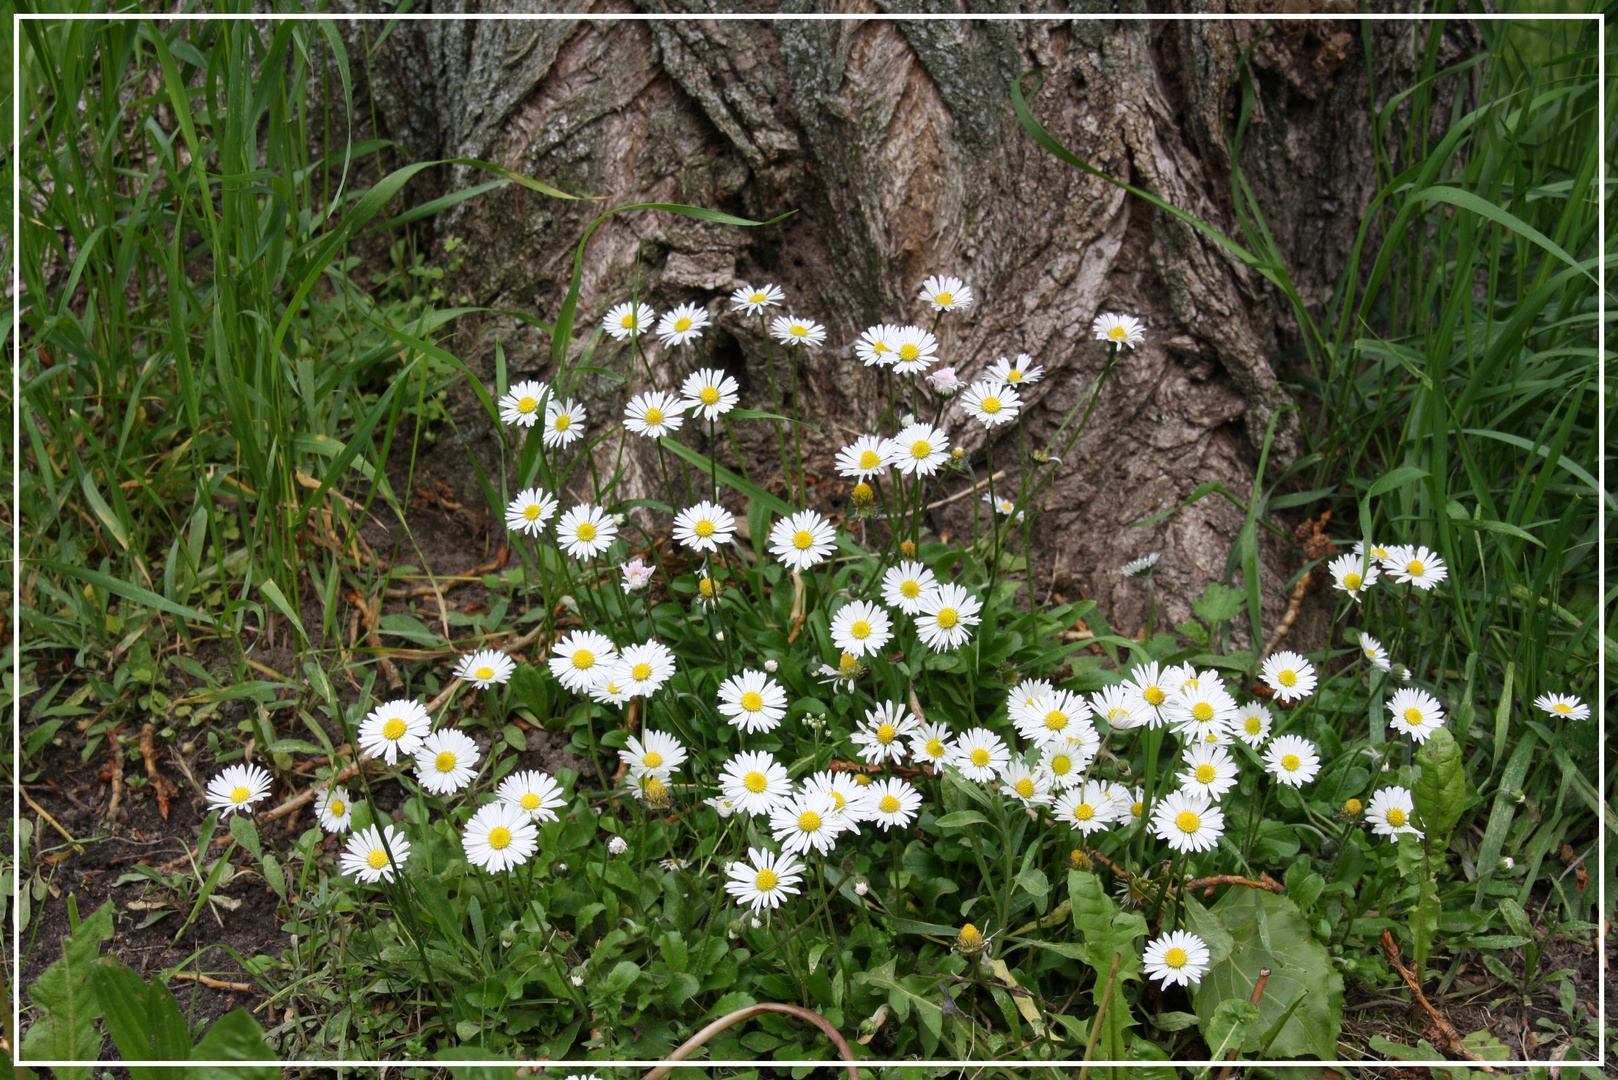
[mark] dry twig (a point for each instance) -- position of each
(1447, 1035)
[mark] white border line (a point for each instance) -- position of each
(1601, 501)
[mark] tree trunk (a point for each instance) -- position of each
(896, 145)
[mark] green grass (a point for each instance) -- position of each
(205, 370)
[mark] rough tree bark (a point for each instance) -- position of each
(896, 144)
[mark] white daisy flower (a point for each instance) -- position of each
(447, 761)
(1121, 709)
(1378, 551)
(980, 754)
(685, 323)
(564, 422)
(881, 737)
(1087, 807)
(367, 854)
(765, 880)
(861, 628)
(1374, 653)
(608, 691)
(1252, 723)
(808, 820)
(1210, 771)
(1564, 705)
(752, 301)
(582, 659)
(522, 403)
(1202, 708)
(946, 293)
(1026, 693)
(238, 788)
(990, 403)
(1147, 683)
(945, 382)
(863, 458)
(1177, 958)
(586, 531)
(791, 330)
(1134, 802)
(499, 837)
(674, 864)
(1416, 566)
(709, 393)
(1415, 712)
(704, 527)
(1064, 763)
(755, 783)
(1005, 508)
(335, 810)
(642, 669)
(1187, 822)
(877, 347)
(627, 319)
(1016, 372)
(1353, 575)
(844, 675)
(892, 803)
(845, 793)
(931, 743)
(1052, 717)
(657, 754)
(637, 575)
(752, 701)
(914, 350)
(1291, 760)
(1289, 675)
(904, 586)
(394, 728)
(1392, 811)
(485, 668)
(1142, 566)
(535, 793)
(1119, 330)
(802, 540)
(1032, 787)
(722, 806)
(654, 414)
(530, 511)
(947, 616)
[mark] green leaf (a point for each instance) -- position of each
(236, 1036)
(1219, 603)
(1210, 929)
(1228, 1028)
(1034, 882)
(1107, 933)
(124, 589)
(1439, 793)
(66, 994)
(960, 819)
(246, 834)
(1298, 964)
(1396, 478)
(143, 1018)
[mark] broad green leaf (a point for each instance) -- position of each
(960, 819)
(236, 1036)
(1439, 793)
(1297, 963)
(1107, 933)
(66, 994)
(1396, 478)
(143, 1019)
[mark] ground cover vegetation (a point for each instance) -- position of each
(722, 745)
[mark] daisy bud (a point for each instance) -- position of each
(957, 455)
(861, 888)
(969, 940)
(1506, 865)
(862, 495)
(772, 666)
(617, 845)
(733, 931)
(755, 922)
(655, 793)
(1353, 808)
(861, 780)
(561, 869)
(719, 635)
(576, 980)
(1080, 859)
(907, 548)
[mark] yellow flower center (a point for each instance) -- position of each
(886, 734)
(530, 801)
(378, 859)
(584, 659)
(240, 795)
(652, 759)
(862, 492)
(908, 352)
(766, 880)
(991, 405)
(1083, 812)
(888, 805)
(881, 347)
(1202, 712)
(562, 422)
(755, 782)
(861, 780)
(1413, 717)
(703, 528)
(752, 701)
(527, 405)
(1351, 582)
(798, 330)
(1138, 809)
(1290, 762)
(499, 837)
(1288, 677)
(1562, 707)
(641, 672)
(1061, 765)
(1254, 725)
(837, 797)
(1396, 817)
(910, 590)
(920, 449)
(848, 663)
(1118, 333)
(944, 299)
(336, 808)
(1153, 695)
(758, 298)
(870, 459)
(1056, 719)
(980, 757)
(707, 587)
(445, 762)
(585, 531)
(809, 821)
(1415, 568)
(861, 630)
(970, 937)
(1188, 822)
(1206, 774)
(531, 511)
(484, 672)
(803, 539)
(907, 548)
(947, 618)
(1025, 788)
(682, 324)
(1014, 376)
(393, 730)
(654, 415)
(1353, 806)
(709, 395)
(627, 322)
(1175, 958)
(935, 748)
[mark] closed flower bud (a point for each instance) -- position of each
(772, 666)
(969, 940)
(617, 845)
(907, 548)
(862, 494)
